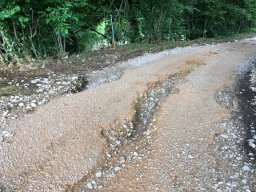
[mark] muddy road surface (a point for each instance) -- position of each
(170, 124)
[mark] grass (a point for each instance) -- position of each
(7, 90)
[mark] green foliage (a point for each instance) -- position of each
(43, 28)
(60, 18)
(8, 13)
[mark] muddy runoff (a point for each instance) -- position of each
(246, 94)
(131, 140)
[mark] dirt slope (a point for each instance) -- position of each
(65, 142)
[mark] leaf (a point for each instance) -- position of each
(66, 31)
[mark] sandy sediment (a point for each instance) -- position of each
(63, 141)
(196, 146)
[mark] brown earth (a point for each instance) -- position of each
(76, 64)
(188, 121)
(59, 145)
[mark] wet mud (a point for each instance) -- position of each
(246, 96)
(148, 104)
(131, 140)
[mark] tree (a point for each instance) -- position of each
(30, 28)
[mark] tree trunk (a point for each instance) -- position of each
(14, 30)
(133, 22)
(205, 31)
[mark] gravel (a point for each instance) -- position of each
(37, 92)
(198, 142)
(114, 73)
(183, 149)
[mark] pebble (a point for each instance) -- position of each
(89, 185)
(28, 108)
(117, 169)
(245, 168)
(252, 143)
(122, 160)
(190, 157)
(33, 105)
(224, 136)
(108, 155)
(98, 174)
(6, 134)
(44, 89)
(244, 181)
(5, 113)
(118, 142)
(35, 81)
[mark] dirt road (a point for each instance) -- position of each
(170, 125)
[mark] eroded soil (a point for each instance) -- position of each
(169, 125)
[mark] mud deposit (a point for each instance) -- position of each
(246, 96)
(136, 145)
(169, 123)
(148, 104)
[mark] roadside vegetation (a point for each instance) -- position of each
(34, 30)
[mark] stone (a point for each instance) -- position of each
(89, 185)
(117, 169)
(224, 136)
(252, 143)
(98, 174)
(190, 157)
(79, 84)
(118, 142)
(33, 105)
(245, 168)
(122, 160)
(108, 155)
(5, 113)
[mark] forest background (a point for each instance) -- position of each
(40, 29)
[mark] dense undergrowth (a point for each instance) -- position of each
(120, 53)
(32, 30)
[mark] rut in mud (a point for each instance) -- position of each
(156, 128)
(148, 104)
(126, 147)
